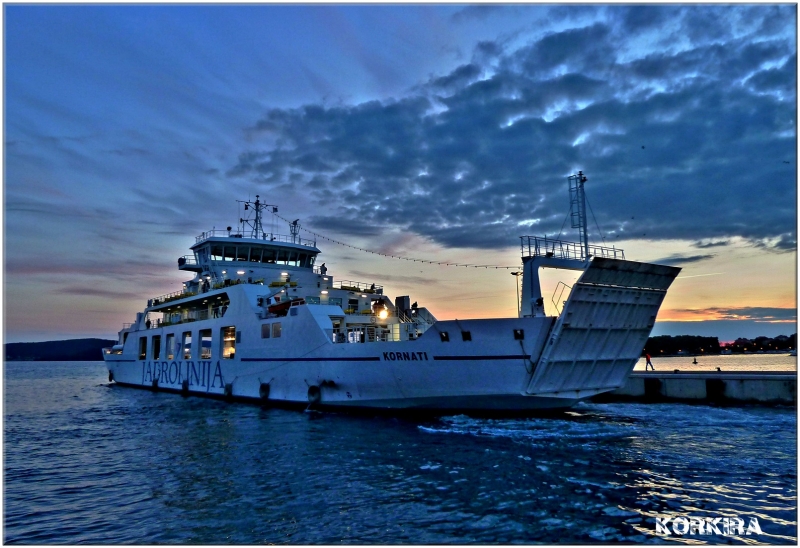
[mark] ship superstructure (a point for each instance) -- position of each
(261, 320)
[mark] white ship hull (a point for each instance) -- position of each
(519, 364)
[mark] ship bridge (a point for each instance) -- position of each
(249, 253)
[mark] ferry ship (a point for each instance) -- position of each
(262, 320)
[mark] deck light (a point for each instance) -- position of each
(224, 271)
(240, 272)
(324, 292)
(284, 273)
(383, 313)
(363, 296)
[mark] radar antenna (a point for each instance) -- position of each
(295, 229)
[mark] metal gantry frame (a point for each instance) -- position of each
(577, 208)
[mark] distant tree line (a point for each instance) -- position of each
(764, 344)
(70, 350)
(666, 345)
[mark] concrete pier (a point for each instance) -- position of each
(760, 387)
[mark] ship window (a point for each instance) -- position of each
(293, 258)
(444, 336)
(228, 342)
(283, 256)
(156, 347)
(265, 329)
(466, 336)
(312, 300)
(125, 337)
(244, 251)
(216, 252)
(276, 330)
(303, 260)
(238, 337)
(519, 334)
(142, 348)
(311, 261)
(187, 345)
(335, 301)
(255, 255)
(205, 344)
(230, 252)
(269, 256)
(171, 346)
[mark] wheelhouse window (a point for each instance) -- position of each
(230, 252)
(171, 346)
(216, 253)
(228, 342)
(205, 344)
(255, 255)
(269, 256)
(187, 345)
(243, 252)
(156, 347)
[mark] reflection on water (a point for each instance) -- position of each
(86, 462)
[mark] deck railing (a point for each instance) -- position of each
(265, 236)
(533, 246)
(185, 316)
(363, 287)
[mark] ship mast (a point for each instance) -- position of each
(257, 228)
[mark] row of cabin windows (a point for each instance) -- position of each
(182, 349)
(256, 254)
(519, 335)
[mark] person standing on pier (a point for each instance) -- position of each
(649, 363)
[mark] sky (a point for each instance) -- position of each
(437, 132)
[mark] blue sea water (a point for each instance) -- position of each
(93, 463)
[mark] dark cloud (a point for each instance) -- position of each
(97, 292)
(784, 243)
(710, 243)
(760, 314)
(638, 18)
(475, 12)
(684, 142)
(675, 260)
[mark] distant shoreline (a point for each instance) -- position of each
(71, 350)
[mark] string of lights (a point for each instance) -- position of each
(399, 257)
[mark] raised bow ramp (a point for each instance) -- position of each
(605, 323)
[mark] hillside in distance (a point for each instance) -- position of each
(65, 351)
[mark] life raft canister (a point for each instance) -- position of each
(314, 394)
